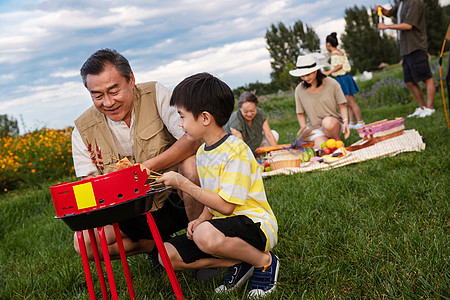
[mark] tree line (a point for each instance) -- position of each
(361, 40)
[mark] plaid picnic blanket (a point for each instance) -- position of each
(409, 141)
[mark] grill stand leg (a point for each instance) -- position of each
(87, 270)
(124, 261)
(165, 258)
(98, 264)
(107, 260)
(159, 245)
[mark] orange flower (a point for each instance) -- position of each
(30, 163)
(33, 171)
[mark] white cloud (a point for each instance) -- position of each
(273, 8)
(66, 73)
(34, 96)
(229, 61)
(7, 77)
(54, 106)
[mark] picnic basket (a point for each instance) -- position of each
(284, 159)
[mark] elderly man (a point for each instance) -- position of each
(134, 121)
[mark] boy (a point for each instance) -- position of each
(237, 228)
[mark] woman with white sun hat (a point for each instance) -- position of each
(319, 96)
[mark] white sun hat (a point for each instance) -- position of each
(306, 64)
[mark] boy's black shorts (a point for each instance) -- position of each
(237, 226)
(170, 218)
(416, 67)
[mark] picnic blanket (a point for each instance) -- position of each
(409, 141)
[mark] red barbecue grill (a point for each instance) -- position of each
(108, 199)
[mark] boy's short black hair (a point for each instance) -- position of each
(204, 92)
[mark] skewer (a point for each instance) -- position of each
(156, 173)
(153, 184)
(149, 176)
(151, 171)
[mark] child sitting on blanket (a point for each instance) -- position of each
(237, 228)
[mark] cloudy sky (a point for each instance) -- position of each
(43, 44)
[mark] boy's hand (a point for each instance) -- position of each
(191, 227)
(172, 178)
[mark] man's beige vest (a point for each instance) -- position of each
(151, 137)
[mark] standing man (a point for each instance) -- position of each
(412, 39)
(134, 121)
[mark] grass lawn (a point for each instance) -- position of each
(377, 229)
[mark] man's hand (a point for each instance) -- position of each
(182, 149)
(382, 26)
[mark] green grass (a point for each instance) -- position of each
(377, 229)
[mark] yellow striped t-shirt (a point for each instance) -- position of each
(228, 168)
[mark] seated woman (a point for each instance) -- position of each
(319, 97)
(249, 123)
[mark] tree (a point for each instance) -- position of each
(436, 23)
(8, 126)
(259, 88)
(285, 44)
(363, 43)
(446, 12)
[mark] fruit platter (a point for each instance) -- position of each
(287, 156)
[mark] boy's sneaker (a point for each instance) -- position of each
(359, 125)
(416, 113)
(426, 112)
(265, 279)
(351, 125)
(237, 276)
